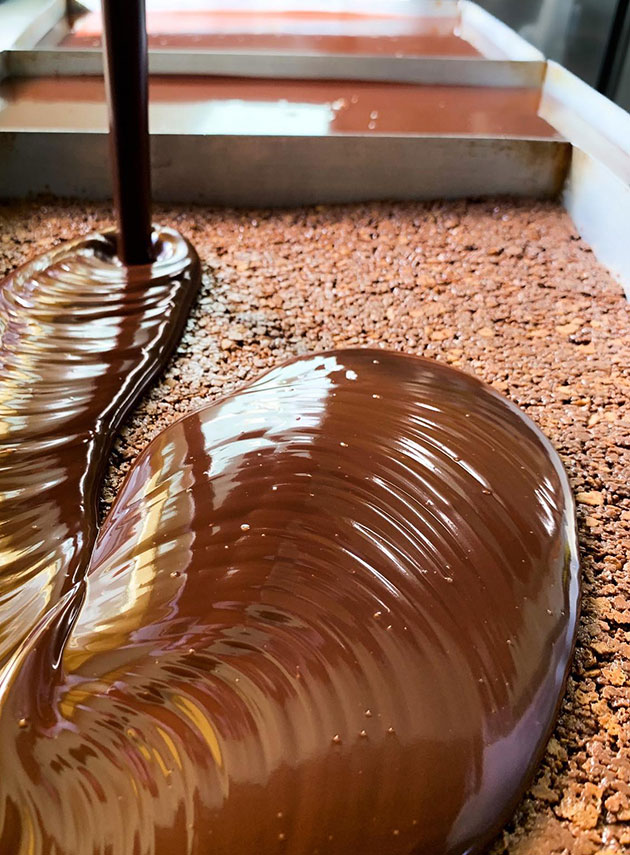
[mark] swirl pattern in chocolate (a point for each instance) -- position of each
(80, 337)
(332, 613)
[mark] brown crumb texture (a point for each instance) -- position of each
(505, 290)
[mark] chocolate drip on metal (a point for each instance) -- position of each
(331, 613)
(126, 78)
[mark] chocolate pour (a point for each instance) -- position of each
(81, 336)
(127, 84)
(331, 613)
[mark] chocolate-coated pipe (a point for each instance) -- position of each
(126, 73)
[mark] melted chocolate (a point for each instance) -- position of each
(127, 84)
(81, 336)
(332, 613)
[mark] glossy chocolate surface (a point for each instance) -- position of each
(127, 85)
(332, 613)
(237, 106)
(80, 337)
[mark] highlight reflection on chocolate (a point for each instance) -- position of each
(332, 613)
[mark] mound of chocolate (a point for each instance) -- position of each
(332, 613)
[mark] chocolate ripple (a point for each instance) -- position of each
(332, 613)
(80, 337)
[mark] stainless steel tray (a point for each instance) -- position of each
(585, 156)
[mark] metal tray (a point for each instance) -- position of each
(584, 155)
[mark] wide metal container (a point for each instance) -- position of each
(303, 123)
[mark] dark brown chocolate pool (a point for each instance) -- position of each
(330, 614)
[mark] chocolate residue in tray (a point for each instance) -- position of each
(505, 290)
(319, 32)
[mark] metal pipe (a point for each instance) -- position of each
(126, 77)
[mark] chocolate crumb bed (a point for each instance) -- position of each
(506, 290)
